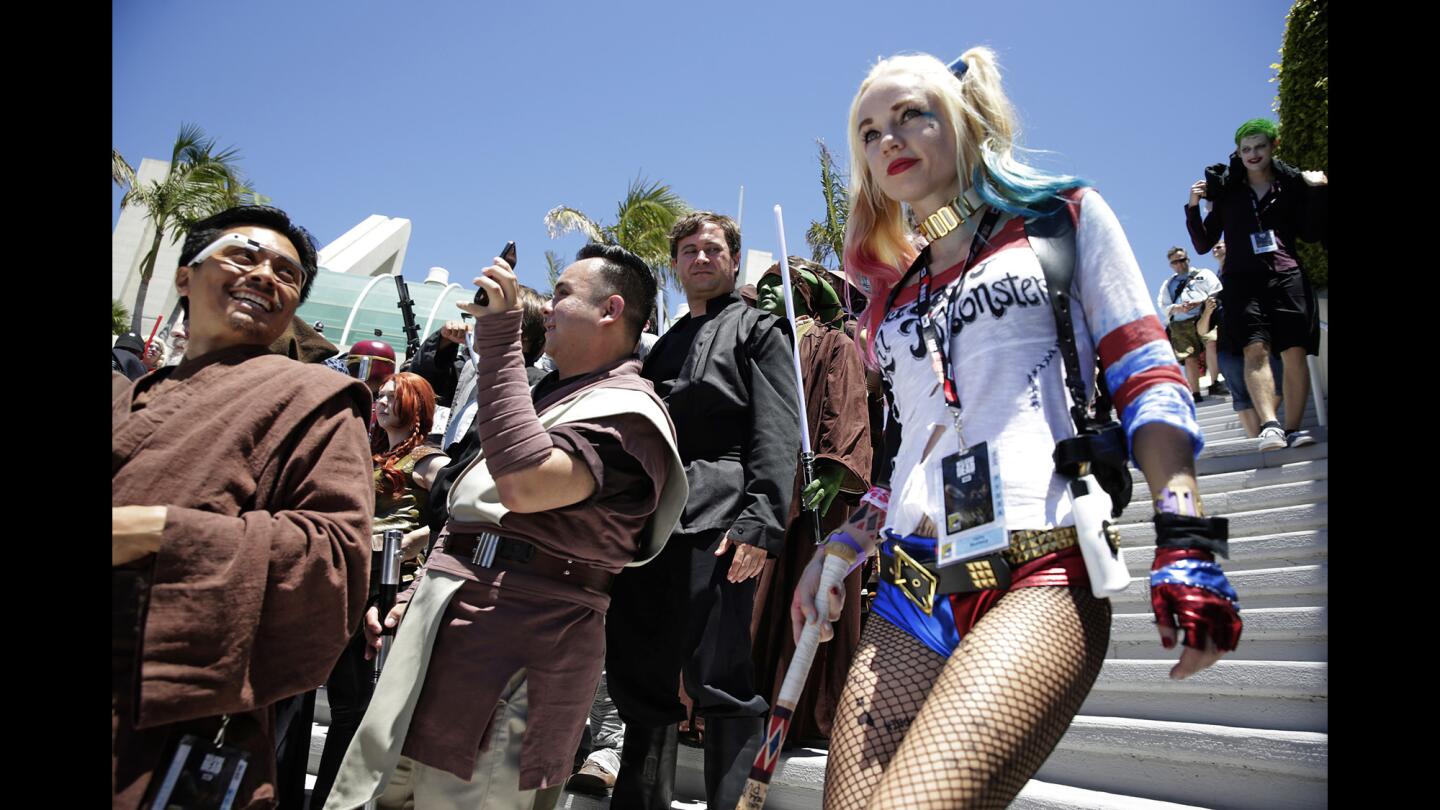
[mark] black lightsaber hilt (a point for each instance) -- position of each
(807, 460)
(389, 588)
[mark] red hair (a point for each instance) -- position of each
(413, 404)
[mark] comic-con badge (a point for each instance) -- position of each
(1264, 242)
(201, 776)
(974, 505)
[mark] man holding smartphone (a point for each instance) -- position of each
(488, 686)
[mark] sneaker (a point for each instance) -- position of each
(1195, 395)
(1218, 389)
(591, 780)
(1299, 438)
(1272, 437)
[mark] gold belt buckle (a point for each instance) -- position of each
(913, 578)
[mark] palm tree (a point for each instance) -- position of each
(827, 238)
(200, 181)
(642, 225)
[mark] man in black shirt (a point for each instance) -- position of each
(726, 373)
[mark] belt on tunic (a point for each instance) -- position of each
(490, 550)
(918, 577)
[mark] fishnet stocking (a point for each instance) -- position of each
(871, 719)
(1004, 699)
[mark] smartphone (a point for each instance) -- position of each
(508, 254)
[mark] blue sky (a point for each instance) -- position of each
(474, 119)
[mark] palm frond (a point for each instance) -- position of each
(554, 266)
(562, 220)
(120, 171)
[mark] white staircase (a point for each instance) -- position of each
(1250, 732)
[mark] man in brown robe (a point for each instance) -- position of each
(241, 504)
(835, 405)
(489, 683)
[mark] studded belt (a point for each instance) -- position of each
(917, 576)
(490, 550)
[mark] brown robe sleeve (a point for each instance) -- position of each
(842, 432)
(245, 610)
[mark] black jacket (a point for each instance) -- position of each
(1293, 210)
(737, 419)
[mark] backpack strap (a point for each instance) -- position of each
(1052, 237)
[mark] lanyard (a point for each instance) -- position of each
(939, 353)
(1273, 191)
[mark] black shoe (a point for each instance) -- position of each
(1218, 388)
(1196, 396)
(1298, 438)
(647, 768)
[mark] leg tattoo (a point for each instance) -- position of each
(888, 682)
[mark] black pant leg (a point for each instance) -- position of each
(719, 671)
(644, 635)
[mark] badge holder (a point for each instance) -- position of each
(202, 776)
(974, 523)
(1264, 242)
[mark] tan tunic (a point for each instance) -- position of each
(501, 622)
(261, 576)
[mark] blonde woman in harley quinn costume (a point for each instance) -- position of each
(958, 706)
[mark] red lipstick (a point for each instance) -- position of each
(900, 165)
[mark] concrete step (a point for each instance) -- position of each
(1114, 763)
(1277, 550)
(1215, 406)
(1282, 695)
(1222, 766)
(1284, 519)
(1244, 454)
(1282, 550)
(1270, 634)
(797, 784)
(1231, 502)
(1038, 795)
(1226, 431)
(1317, 470)
(1225, 418)
(1292, 586)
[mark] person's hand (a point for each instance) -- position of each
(1209, 305)
(414, 542)
(1210, 620)
(1196, 192)
(501, 287)
(373, 629)
(1314, 178)
(748, 562)
(820, 493)
(802, 604)
(135, 531)
(455, 332)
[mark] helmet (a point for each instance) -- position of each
(371, 361)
